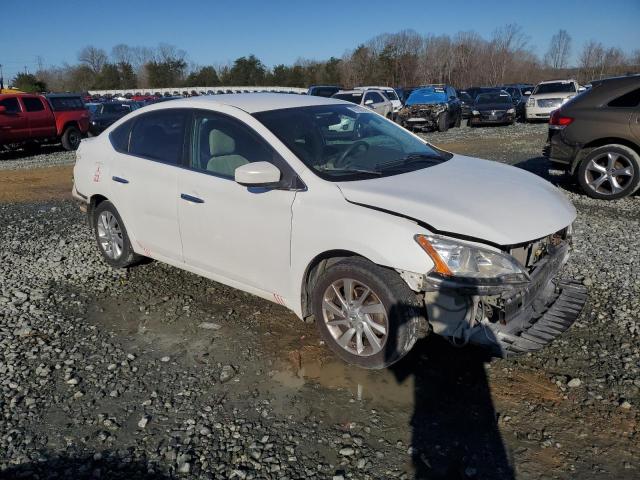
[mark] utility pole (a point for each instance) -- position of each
(1, 79)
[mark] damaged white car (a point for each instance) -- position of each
(378, 236)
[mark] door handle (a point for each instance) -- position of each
(191, 198)
(120, 180)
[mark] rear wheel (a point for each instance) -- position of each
(71, 138)
(365, 313)
(111, 236)
(443, 122)
(610, 172)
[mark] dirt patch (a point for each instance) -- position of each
(37, 184)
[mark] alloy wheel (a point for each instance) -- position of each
(609, 173)
(355, 317)
(110, 235)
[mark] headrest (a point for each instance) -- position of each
(220, 143)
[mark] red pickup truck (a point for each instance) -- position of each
(29, 120)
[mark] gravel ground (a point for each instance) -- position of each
(49, 155)
(157, 373)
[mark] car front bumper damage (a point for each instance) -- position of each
(508, 320)
(421, 115)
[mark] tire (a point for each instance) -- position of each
(597, 172)
(109, 228)
(458, 121)
(71, 138)
(443, 122)
(395, 320)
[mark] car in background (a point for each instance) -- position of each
(548, 96)
(376, 100)
(475, 91)
(388, 92)
(326, 91)
(431, 107)
(374, 234)
(466, 103)
(596, 137)
(520, 97)
(493, 108)
(404, 92)
(28, 120)
(106, 114)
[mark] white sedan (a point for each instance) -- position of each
(374, 233)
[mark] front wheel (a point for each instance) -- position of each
(610, 172)
(443, 122)
(111, 236)
(365, 313)
(71, 138)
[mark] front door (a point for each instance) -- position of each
(230, 231)
(13, 122)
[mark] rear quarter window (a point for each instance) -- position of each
(630, 99)
(120, 137)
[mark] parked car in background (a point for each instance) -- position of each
(432, 107)
(106, 114)
(404, 92)
(519, 99)
(549, 95)
(322, 90)
(373, 233)
(475, 91)
(493, 108)
(388, 92)
(596, 136)
(466, 103)
(373, 99)
(30, 120)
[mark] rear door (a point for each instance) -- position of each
(39, 117)
(13, 122)
(144, 181)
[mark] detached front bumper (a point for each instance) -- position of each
(507, 320)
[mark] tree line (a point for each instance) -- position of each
(405, 58)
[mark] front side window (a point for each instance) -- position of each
(11, 104)
(120, 136)
(32, 104)
(349, 142)
(220, 144)
(355, 97)
(159, 136)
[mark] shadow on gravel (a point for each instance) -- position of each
(55, 466)
(30, 152)
(454, 424)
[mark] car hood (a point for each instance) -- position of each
(470, 197)
(493, 106)
(554, 95)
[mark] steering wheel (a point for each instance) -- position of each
(341, 162)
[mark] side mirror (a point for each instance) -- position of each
(257, 174)
(3, 109)
(368, 102)
(581, 89)
(528, 92)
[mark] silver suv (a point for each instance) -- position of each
(376, 100)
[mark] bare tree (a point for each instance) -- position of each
(559, 50)
(122, 53)
(93, 57)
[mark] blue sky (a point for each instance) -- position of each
(216, 32)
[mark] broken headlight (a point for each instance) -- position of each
(461, 261)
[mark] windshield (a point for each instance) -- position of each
(391, 94)
(343, 142)
(556, 87)
(493, 98)
(427, 95)
(349, 97)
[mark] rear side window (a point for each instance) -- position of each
(631, 99)
(375, 96)
(159, 136)
(11, 104)
(63, 104)
(120, 137)
(32, 104)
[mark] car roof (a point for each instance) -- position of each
(562, 80)
(257, 102)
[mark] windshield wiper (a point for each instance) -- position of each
(351, 170)
(415, 157)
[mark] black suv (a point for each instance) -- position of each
(596, 136)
